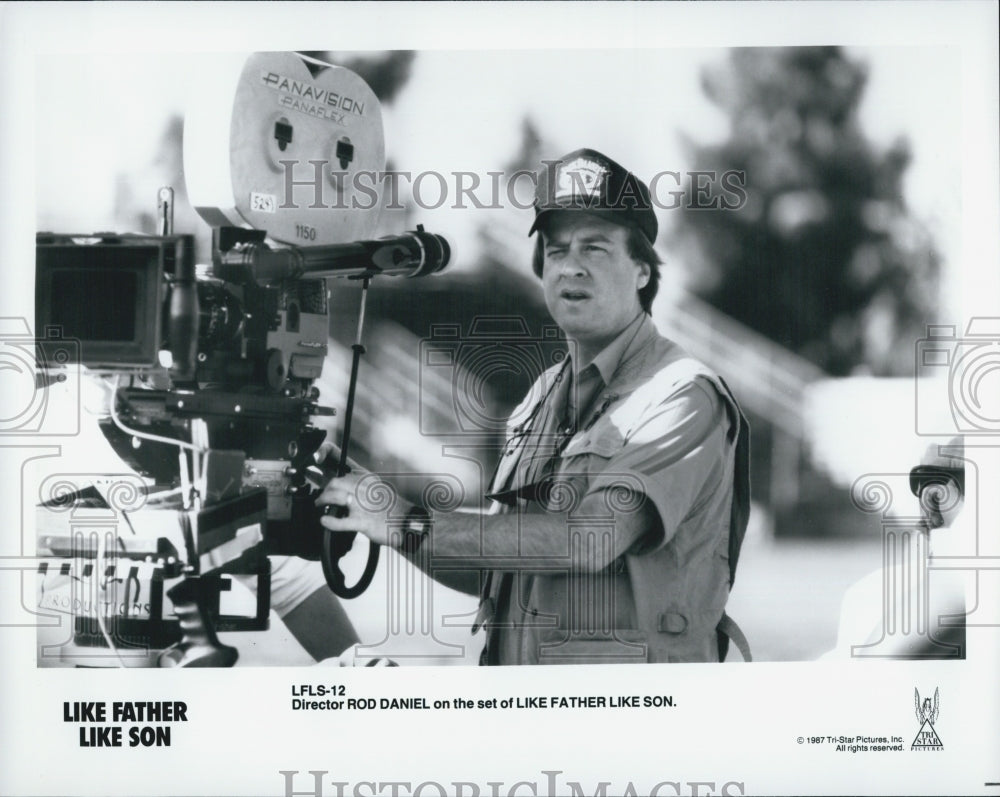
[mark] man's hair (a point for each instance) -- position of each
(638, 247)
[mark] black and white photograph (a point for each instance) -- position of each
(500, 399)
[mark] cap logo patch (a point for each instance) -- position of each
(581, 177)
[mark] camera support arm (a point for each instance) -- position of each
(337, 544)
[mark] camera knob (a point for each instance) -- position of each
(275, 369)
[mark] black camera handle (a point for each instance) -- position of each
(336, 544)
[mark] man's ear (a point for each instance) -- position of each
(644, 273)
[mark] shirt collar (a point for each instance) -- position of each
(629, 340)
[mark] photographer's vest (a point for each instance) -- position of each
(664, 605)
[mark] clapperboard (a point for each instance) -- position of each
(110, 566)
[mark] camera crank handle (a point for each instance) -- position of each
(199, 645)
(336, 544)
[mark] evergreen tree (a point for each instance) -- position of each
(824, 257)
(386, 73)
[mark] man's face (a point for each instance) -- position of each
(941, 503)
(591, 284)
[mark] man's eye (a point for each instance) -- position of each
(555, 252)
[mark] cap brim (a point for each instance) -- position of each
(922, 474)
(623, 218)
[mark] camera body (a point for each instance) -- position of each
(235, 353)
(114, 295)
(220, 360)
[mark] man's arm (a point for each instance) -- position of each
(586, 539)
(466, 580)
(458, 545)
(638, 498)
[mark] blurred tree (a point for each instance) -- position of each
(529, 152)
(824, 256)
(386, 73)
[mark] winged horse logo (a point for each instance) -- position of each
(926, 711)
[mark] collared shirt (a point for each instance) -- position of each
(656, 425)
(570, 391)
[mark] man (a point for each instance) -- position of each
(905, 609)
(939, 482)
(622, 493)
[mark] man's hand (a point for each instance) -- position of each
(367, 500)
(327, 457)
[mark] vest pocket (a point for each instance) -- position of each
(672, 622)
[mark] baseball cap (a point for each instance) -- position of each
(934, 466)
(587, 180)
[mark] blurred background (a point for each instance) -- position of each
(810, 300)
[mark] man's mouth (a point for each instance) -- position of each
(573, 295)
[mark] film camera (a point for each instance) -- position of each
(213, 367)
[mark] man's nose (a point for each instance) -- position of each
(572, 264)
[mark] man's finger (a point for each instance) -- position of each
(325, 451)
(338, 523)
(336, 494)
(327, 456)
(340, 485)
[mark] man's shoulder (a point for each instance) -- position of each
(667, 367)
(669, 375)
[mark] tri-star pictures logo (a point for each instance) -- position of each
(927, 714)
